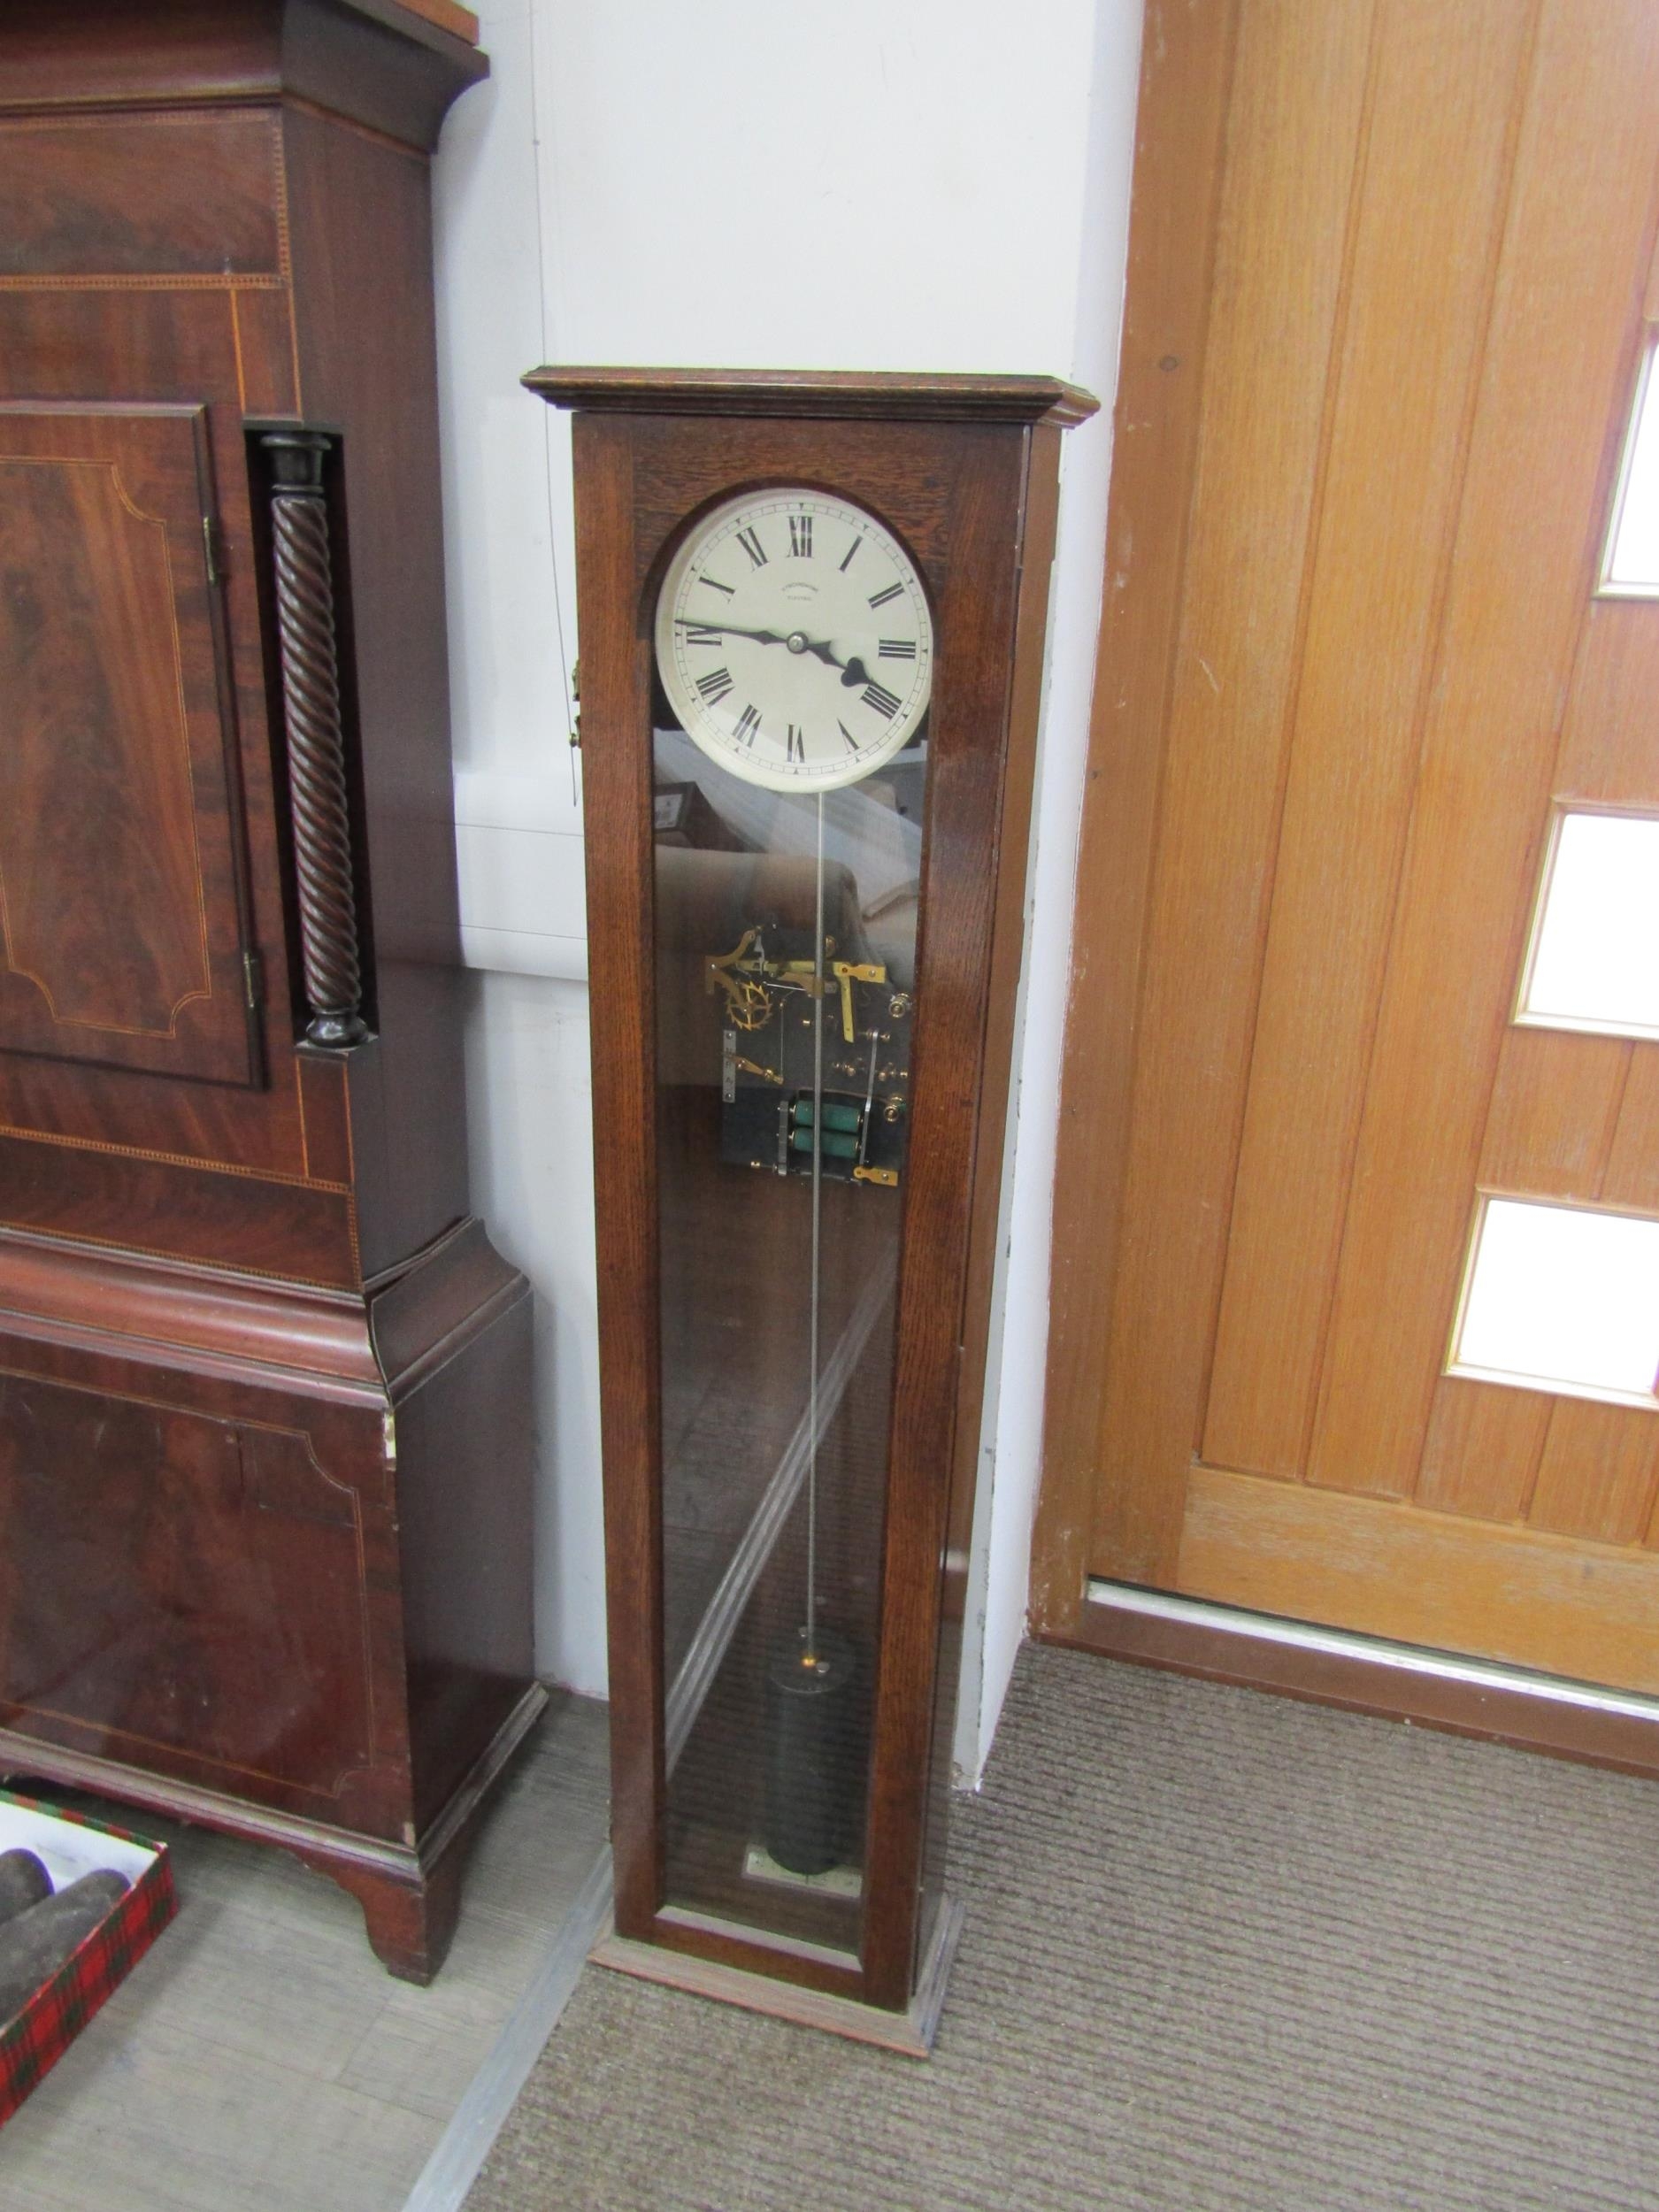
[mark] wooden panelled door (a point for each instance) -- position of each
(121, 921)
(1392, 286)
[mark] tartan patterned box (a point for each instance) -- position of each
(72, 1845)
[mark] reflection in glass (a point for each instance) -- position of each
(785, 977)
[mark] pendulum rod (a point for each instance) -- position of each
(810, 1637)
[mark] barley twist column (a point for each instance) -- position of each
(316, 744)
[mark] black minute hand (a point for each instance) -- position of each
(761, 637)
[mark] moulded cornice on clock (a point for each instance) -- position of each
(394, 65)
(824, 395)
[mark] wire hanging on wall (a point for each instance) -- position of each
(569, 688)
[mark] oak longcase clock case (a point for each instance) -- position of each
(813, 615)
(264, 1477)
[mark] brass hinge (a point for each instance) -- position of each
(210, 547)
(253, 981)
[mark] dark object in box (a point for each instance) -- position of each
(72, 1845)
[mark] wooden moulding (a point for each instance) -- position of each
(95, 1300)
(444, 15)
(410, 1894)
(1185, 79)
(910, 2032)
(822, 394)
(353, 1346)
(393, 66)
(1360, 1675)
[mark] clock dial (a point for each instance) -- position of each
(793, 640)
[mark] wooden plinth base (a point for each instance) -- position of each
(411, 1896)
(909, 2033)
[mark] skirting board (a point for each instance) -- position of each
(911, 2033)
(1366, 1674)
(465, 2145)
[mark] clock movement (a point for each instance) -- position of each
(813, 612)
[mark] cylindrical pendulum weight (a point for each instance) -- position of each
(814, 1766)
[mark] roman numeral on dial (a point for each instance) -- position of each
(883, 701)
(801, 537)
(851, 550)
(747, 726)
(880, 599)
(715, 685)
(852, 742)
(728, 589)
(696, 637)
(752, 546)
(897, 649)
(795, 746)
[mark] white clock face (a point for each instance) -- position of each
(793, 640)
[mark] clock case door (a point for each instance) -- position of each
(964, 472)
(122, 903)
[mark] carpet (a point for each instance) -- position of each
(1222, 1950)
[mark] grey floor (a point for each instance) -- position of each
(260, 2056)
(1224, 1952)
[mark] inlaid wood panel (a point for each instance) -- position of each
(119, 897)
(93, 679)
(148, 196)
(172, 348)
(179, 1566)
(186, 1208)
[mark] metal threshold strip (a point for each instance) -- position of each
(1378, 1651)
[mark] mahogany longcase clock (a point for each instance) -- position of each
(812, 616)
(265, 1423)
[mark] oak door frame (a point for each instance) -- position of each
(1180, 134)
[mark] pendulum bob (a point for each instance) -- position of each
(24, 1882)
(814, 1751)
(38, 1941)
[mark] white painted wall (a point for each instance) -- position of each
(1011, 1451)
(883, 184)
